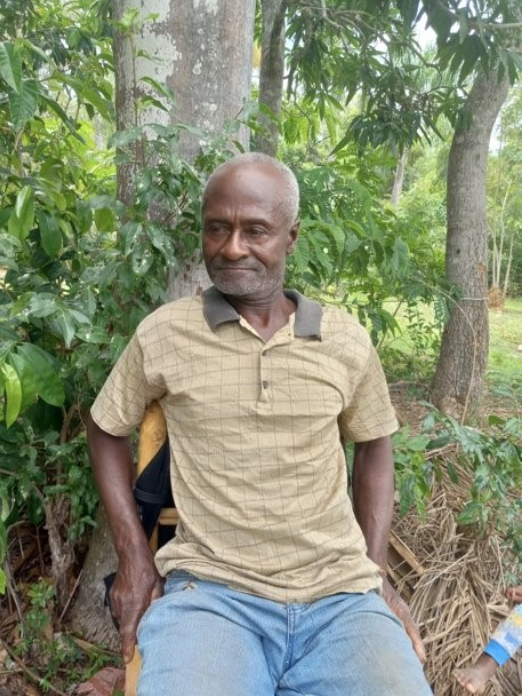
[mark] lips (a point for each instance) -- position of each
(233, 268)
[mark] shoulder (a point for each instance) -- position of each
(338, 325)
(172, 316)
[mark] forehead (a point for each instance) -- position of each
(246, 185)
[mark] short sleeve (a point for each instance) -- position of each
(370, 414)
(120, 406)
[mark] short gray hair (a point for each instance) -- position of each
(290, 187)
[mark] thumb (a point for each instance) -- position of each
(128, 648)
(156, 593)
(128, 636)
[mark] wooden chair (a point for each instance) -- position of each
(153, 433)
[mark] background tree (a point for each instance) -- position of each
(205, 83)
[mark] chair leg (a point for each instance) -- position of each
(131, 674)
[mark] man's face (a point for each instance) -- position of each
(246, 237)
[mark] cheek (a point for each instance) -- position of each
(208, 248)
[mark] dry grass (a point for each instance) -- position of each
(458, 598)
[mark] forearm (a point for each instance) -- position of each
(373, 488)
(112, 463)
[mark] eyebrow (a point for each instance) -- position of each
(248, 221)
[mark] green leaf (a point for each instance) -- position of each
(50, 234)
(23, 103)
(3, 578)
(17, 226)
(24, 208)
(5, 506)
(66, 325)
(42, 304)
(27, 380)
(48, 383)
(54, 106)
(89, 95)
(104, 219)
(13, 393)
(161, 88)
(408, 10)
(23, 197)
(10, 66)
(124, 138)
(463, 25)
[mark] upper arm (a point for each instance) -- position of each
(130, 388)
(369, 415)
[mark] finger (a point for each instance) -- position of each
(128, 646)
(157, 592)
(514, 593)
(128, 630)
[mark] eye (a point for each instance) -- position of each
(215, 228)
(256, 232)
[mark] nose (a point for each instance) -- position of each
(235, 247)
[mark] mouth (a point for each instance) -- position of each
(233, 268)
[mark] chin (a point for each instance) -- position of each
(235, 289)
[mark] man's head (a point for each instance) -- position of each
(249, 225)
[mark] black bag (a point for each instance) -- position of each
(153, 492)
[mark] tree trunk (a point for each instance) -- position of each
(271, 73)
(202, 50)
(462, 362)
(89, 615)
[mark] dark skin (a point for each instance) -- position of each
(246, 237)
(137, 581)
(373, 487)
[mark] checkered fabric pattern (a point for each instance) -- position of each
(257, 465)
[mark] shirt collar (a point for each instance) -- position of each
(308, 315)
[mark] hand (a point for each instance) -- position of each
(514, 593)
(401, 610)
(136, 585)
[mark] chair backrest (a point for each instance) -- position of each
(153, 434)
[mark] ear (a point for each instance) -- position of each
(293, 235)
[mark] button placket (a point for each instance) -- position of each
(263, 376)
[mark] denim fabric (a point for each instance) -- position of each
(507, 638)
(205, 639)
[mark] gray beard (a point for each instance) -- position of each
(259, 284)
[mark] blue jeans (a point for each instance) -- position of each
(204, 639)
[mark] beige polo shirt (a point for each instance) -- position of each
(257, 467)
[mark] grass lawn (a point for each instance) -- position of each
(505, 337)
(413, 351)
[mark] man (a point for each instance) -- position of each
(273, 580)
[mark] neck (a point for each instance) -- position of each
(265, 315)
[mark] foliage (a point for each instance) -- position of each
(86, 269)
(505, 200)
(341, 51)
(492, 457)
(414, 472)
(353, 250)
(54, 69)
(54, 656)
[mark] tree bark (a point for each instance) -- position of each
(89, 615)
(271, 73)
(458, 380)
(202, 50)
